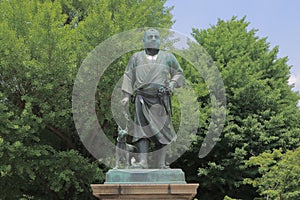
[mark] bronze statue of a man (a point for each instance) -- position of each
(149, 78)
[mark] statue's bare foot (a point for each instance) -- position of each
(164, 167)
(139, 165)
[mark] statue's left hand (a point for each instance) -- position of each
(172, 86)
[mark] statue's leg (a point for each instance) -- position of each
(161, 156)
(143, 145)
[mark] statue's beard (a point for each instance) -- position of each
(151, 51)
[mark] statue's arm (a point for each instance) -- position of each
(129, 77)
(176, 72)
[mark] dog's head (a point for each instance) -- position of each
(122, 135)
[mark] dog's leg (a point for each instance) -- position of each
(128, 161)
(117, 158)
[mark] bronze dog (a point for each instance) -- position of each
(124, 151)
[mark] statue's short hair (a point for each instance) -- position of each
(151, 30)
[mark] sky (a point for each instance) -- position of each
(278, 20)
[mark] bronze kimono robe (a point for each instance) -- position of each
(143, 77)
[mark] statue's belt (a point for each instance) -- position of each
(157, 93)
(148, 93)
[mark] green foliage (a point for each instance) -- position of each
(228, 198)
(280, 174)
(262, 112)
(43, 43)
(29, 168)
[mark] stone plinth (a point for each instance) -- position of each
(145, 191)
(145, 176)
(145, 184)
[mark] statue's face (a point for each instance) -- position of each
(151, 39)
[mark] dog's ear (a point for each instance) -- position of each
(125, 133)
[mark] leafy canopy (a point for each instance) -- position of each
(262, 112)
(43, 43)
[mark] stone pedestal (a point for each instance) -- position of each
(145, 191)
(145, 184)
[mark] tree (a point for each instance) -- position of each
(280, 174)
(262, 112)
(43, 43)
(37, 65)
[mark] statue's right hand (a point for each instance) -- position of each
(125, 101)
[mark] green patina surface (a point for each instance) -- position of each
(145, 176)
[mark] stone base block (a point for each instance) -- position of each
(145, 191)
(145, 176)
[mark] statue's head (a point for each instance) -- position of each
(151, 39)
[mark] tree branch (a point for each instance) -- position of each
(61, 135)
